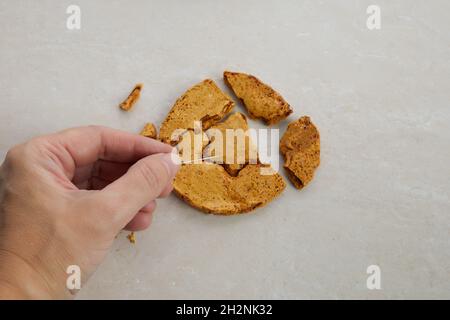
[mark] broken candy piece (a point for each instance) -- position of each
(261, 101)
(191, 145)
(242, 148)
(132, 237)
(300, 146)
(203, 102)
(132, 98)
(149, 131)
(211, 189)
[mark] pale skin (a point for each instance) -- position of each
(64, 198)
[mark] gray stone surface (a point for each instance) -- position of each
(380, 99)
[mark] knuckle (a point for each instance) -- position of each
(14, 154)
(18, 156)
(95, 127)
(24, 150)
(35, 145)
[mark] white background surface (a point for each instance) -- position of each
(380, 99)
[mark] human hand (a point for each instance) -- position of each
(63, 199)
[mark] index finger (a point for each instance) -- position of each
(86, 145)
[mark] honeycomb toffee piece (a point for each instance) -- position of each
(300, 146)
(132, 237)
(243, 150)
(149, 131)
(261, 101)
(132, 98)
(203, 102)
(209, 188)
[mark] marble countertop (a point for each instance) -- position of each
(381, 99)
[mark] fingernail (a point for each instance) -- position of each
(173, 162)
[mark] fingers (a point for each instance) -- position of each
(96, 183)
(98, 175)
(166, 191)
(145, 181)
(140, 222)
(103, 173)
(82, 146)
(109, 171)
(149, 208)
(82, 174)
(142, 219)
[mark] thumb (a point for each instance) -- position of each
(143, 183)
